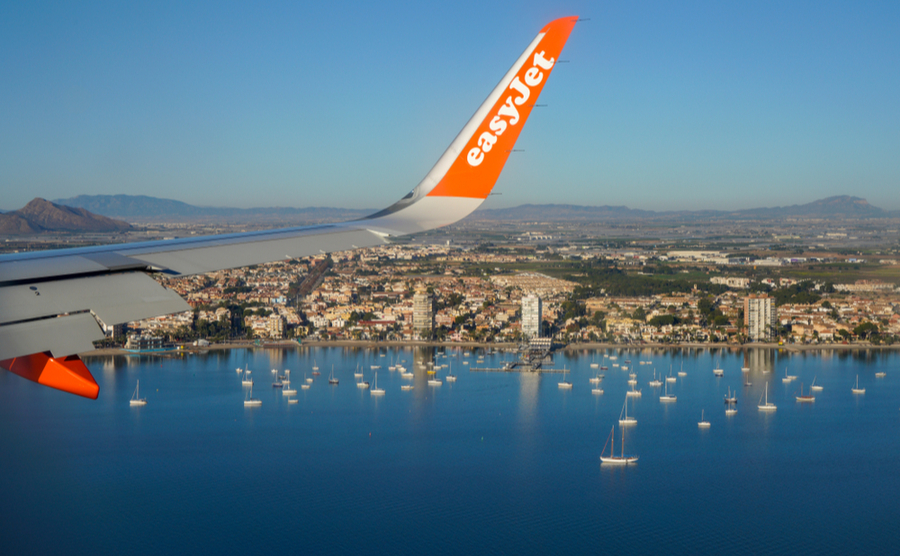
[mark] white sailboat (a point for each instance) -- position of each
(767, 406)
(331, 379)
(450, 376)
(682, 372)
(612, 458)
(718, 371)
(815, 387)
(857, 389)
(666, 397)
(251, 401)
(246, 380)
(315, 367)
(703, 423)
(565, 385)
(624, 419)
(376, 391)
(434, 380)
(136, 398)
(655, 383)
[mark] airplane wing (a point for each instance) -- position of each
(53, 302)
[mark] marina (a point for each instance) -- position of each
(508, 446)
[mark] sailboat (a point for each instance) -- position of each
(681, 372)
(450, 376)
(703, 423)
(718, 371)
(670, 378)
(766, 406)
(306, 381)
(666, 397)
(246, 380)
(880, 374)
(358, 373)
(594, 364)
(633, 393)
(624, 419)
(565, 385)
(806, 398)
(136, 398)
(730, 399)
(815, 387)
(251, 401)
(858, 390)
(376, 391)
(655, 382)
(331, 379)
(621, 459)
(315, 369)
(288, 391)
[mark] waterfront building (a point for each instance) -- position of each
(760, 316)
(532, 314)
(423, 314)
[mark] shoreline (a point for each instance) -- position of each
(501, 345)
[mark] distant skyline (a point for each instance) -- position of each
(662, 106)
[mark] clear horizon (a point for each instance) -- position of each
(660, 106)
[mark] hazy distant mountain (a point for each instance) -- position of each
(40, 215)
(144, 208)
(842, 206)
(141, 208)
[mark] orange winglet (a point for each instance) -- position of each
(475, 171)
(68, 374)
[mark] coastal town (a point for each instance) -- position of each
(571, 294)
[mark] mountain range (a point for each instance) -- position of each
(41, 215)
(141, 208)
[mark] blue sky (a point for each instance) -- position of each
(663, 105)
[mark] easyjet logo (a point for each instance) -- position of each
(508, 114)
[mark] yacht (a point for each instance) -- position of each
(807, 398)
(564, 384)
(376, 391)
(434, 381)
(246, 380)
(880, 374)
(136, 398)
(407, 387)
(767, 406)
(621, 459)
(624, 419)
(288, 391)
(331, 379)
(703, 423)
(815, 387)
(666, 397)
(598, 391)
(251, 401)
(858, 390)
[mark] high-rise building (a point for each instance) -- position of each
(532, 313)
(760, 316)
(423, 313)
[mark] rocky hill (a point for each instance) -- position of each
(41, 215)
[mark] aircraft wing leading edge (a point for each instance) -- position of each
(52, 303)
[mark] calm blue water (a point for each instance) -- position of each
(494, 463)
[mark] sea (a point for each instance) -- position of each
(493, 463)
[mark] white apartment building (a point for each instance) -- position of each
(532, 314)
(759, 316)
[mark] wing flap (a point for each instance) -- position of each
(60, 336)
(114, 298)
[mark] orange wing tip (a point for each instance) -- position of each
(68, 374)
(569, 21)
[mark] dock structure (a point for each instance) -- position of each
(532, 358)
